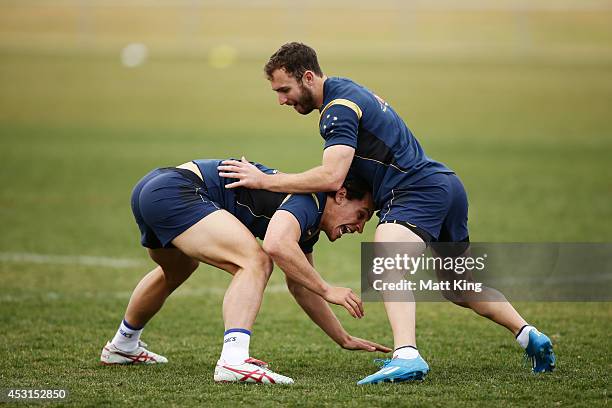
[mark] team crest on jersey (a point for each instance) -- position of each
(383, 105)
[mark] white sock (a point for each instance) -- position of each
(406, 352)
(523, 335)
(127, 337)
(235, 346)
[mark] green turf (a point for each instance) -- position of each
(529, 137)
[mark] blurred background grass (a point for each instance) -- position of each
(515, 96)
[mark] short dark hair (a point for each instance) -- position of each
(295, 58)
(356, 188)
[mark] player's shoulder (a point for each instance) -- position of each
(313, 201)
(338, 87)
(307, 210)
(346, 92)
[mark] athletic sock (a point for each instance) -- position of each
(235, 346)
(523, 335)
(127, 337)
(406, 352)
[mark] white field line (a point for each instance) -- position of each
(85, 260)
(122, 263)
(117, 263)
(125, 295)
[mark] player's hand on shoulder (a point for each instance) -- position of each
(347, 298)
(248, 174)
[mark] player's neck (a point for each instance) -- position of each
(319, 91)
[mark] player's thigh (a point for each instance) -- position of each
(391, 240)
(450, 274)
(221, 240)
(395, 232)
(457, 296)
(176, 266)
(172, 258)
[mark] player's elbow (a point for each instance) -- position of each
(273, 247)
(334, 181)
(335, 185)
(335, 166)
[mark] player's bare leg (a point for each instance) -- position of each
(489, 303)
(221, 240)
(174, 267)
(500, 311)
(401, 315)
(493, 305)
(407, 364)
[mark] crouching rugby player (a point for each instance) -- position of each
(186, 216)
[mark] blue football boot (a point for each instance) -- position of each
(398, 370)
(540, 352)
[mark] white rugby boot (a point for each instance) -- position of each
(250, 371)
(111, 355)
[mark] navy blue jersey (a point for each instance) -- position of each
(387, 155)
(255, 208)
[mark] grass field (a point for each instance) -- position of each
(529, 136)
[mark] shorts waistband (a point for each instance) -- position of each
(188, 174)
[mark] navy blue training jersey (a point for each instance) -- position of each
(255, 208)
(387, 155)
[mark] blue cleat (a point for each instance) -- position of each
(540, 352)
(398, 370)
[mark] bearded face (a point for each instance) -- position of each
(292, 92)
(305, 101)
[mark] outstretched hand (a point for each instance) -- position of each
(355, 343)
(248, 175)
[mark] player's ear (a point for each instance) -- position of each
(341, 195)
(308, 77)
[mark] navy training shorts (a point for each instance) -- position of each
(435, 208)
(166, 202)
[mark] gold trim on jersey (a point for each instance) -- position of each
(344, 102)
(314, 197)
(286, 198)
(316, 201)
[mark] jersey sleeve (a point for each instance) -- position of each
(339, 123)
(264, 169)
(305, 209)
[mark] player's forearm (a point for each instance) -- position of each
(319, 311)
(317, 179)
(290, 258)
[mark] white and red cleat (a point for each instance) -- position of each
(111, 355)
(251, 371)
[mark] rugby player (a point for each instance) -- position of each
(419, 200)
(186, 216)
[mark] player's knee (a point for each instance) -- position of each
(265, 264)
(259, 264)
(455, 296)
